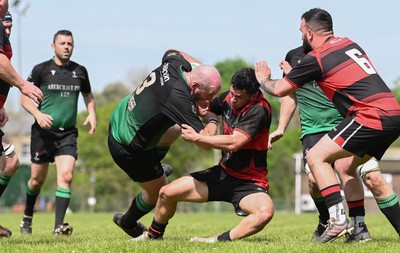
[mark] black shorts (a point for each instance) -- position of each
(361, 140)
(309, 141)
(140, 166)
(46, 144)
(224, 187)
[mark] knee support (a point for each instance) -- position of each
(9, 149)
(370, 166)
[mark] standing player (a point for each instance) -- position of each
(54, 133)
(12, 163)
(168, 96)
(318, 116)
(9, 77)
(371, 113)
(240, 176)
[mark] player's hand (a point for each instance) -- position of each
(44, 120)
(273, 137)
(3, 117)
(188, 133)
(31, 91)
(202, 107)
(285, 66)
(263, 72)
(91, 119)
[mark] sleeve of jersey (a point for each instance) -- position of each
(253, 121)
(173, 56)
(34, 75)
(306, 71)
(181, 109)
(216, 105)
(85, 88)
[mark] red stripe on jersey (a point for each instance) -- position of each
(329, 190)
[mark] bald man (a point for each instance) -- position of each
(175, 93)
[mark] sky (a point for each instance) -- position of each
(116, 39)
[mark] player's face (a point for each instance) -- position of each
(306, 43)
(7, 26)
(202, 94)
(63, 47)
(239, 98)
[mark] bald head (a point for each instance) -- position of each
(208, 77)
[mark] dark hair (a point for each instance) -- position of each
(245, 79)
(318, 20)
(61, 32)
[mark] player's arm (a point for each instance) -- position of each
(288, 106)
(9, 75)
(88, 98)
(278, 88)
(44, 120)
(188, 57)
(232, 142)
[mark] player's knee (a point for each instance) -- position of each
(373, 180)
(368, 167)
(264, 216)
(165, 193)
(36, 182)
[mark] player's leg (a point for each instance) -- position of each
(65, 169)
(164, 144)
(384, 195)
(308, 141)
(354, 193)
(319, 159)
(33, 186)
(12, 164)
(183, 189)
(259, 209)
(4, 232)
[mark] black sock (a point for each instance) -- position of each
(391, 209)
(31, 197)
(63, 197)
(322, 210)
(224, 237)
(136, 211)
(156, 230)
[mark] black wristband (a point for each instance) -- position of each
(214, 120)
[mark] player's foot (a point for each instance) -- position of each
(26, 225)
(63, 229)
(318, 232)
(133, 232)
(362, 236)
(5, 232)
(145, 237)
(167, 169)
(333, 231)
(211, 239)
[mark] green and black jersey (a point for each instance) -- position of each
(162, 100)
(317, 112)
(61, 86)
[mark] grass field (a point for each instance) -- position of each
(97, 233)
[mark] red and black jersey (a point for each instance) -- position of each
(5, 48)
(254, 120)
(346, 76)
